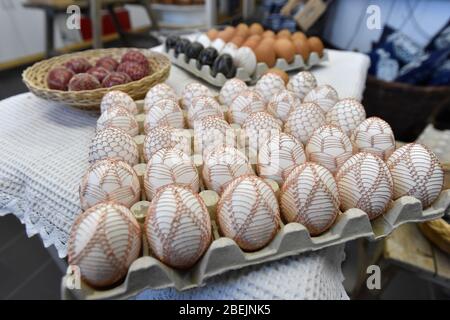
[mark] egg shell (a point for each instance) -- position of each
(109, 180)
(282, 104)
(245, 58)
(270, 42)
(99, 72)
(269, 85)
(212, 131)
(230, 90)
(304, 120)
(259, 127)
(120, 118)
(113, 143)
(222, 165)
(116, 98)
(364, 182)
(177, 227)
(163, 137)
(248, 212)
(285, 49)
(346, 114)
(302, 83)
(324, 95)
(374, 136)
(284, 33)
(103, 242)
(265, 53)
(242, 30)
(329, 147)
(218, 44)
(202, 107)
(244, 104)
(279, 156)
(316, 45)
(302, 48)
(192, 90)
(115, 78)
(310, 196)
(238, 40)
(78, 65)
(158, 92)
(83, 81)
(416, 172)
(281, 73)
(225, 35)
(251, 43)
(165, 112)
(231, 49)
(298, 35)
(212, 34)
(58, 78)
(268, 33)
(169, 166)
(256, 28)
(135, 70)
(204, 40)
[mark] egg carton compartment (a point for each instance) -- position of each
(261, 68)
(224, 254)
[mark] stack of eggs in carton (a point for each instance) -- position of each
(270, 154)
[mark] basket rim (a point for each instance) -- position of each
(407, 86)
(29, 83)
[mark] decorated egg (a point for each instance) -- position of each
(224, 65)
(163, 137)
(329, 147)
(374, 136)
(120, 118)
(212, 131)
(310, 196)
(346, 114)
(304, 120)
(169, 166)
(245, 58)
(279, 156)
(113, 143)
(192, 90)
(118, 98)
(109, 180)
(302, 83)
(164, 113)
(259, 127)
(244, 104)
(282, 104)
(248, 212)
(364, 182)
(206, 57)
(193, 51)
(325, 96)
(269, 85)
(416, 172)
(222, 165)
(202, 107)
(230, 90)
(178, 227)
(158, 92)
(103, 242)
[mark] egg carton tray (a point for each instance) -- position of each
(219, 80)
(224, 254)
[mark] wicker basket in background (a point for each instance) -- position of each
(35, 78)
(405, 107)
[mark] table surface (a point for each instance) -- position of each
(44, 154)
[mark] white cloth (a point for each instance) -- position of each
(44, 153)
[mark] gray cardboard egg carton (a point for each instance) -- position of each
(224, 254)
(261, 68)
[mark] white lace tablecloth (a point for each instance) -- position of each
(44, 153)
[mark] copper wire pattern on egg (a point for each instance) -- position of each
(346, 114)
(302, 83)
(259, 127)
(193, 90)
(158, 92)
(248, 212)
(202, 107)
(212, 131)
(230, 90)
(303, 121)
(103, 243)
(116, 98)
(416, 172)
(118, 117)
(268, 85)
(282, 104)
(364, 182)
(165, 112)
(245, 104)
(164, 137)
(177, 226)
(310, 196)
(324, 95)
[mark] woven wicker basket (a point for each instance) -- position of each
(35, 78)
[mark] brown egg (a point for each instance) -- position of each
(298, 35)
(285, 33)
(316, 45)
(238, 40)
(256, 37)
(302, 48)
(226, 35)
(266, 54)
(251, 43)
(242, 30)
(284, 49)
(256, 28)
(269, 41)
(230, 29)
(268, 33)
(212, 34)
(280, 73)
